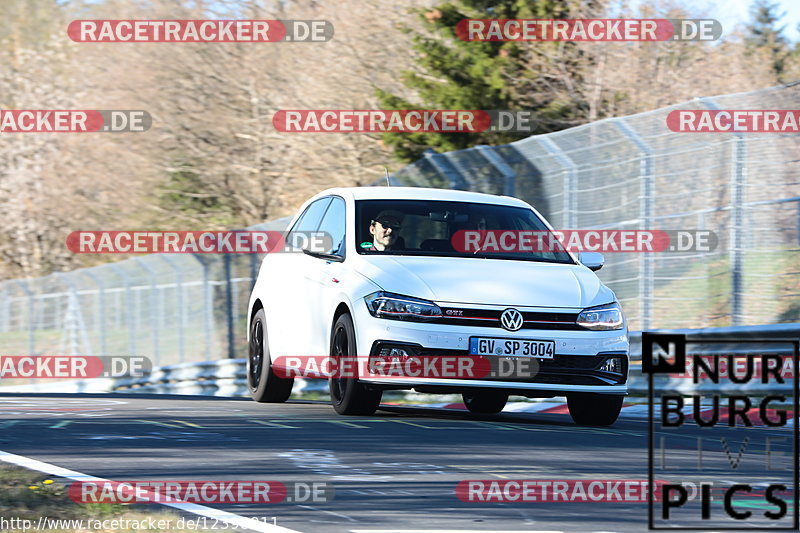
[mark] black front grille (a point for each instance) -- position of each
(562, 369)
(488, 318)
(571, 362)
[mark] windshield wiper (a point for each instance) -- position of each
(321, 255)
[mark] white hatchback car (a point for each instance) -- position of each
(392, 284)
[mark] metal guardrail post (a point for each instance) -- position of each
(570, 178)
(101, 309)
(509, 176)
(207, 303)
(646, 195)
(156, 319)
(738, 181)
(130, 319)
(179, 303)
(445, 167)
(31, 326)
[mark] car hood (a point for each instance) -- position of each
(487, 281)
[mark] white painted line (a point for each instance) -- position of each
(201, 510)
(349, 519)
(529, 407)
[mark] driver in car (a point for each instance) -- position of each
(384, 228)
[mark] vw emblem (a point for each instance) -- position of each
(511, 319)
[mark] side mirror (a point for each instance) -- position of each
(592, 260)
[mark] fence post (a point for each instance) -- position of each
(509, 176)
(254, 264)
(738, 176)
(226, 259)
(737, 184)
(569, 218)
(646, 196)
(156, 319)
(798, 220)
(128, 308)
(101, 309)
(445, 167)
(5, 301)
(207, 305)
(31, 325)
(179, 292)
(73, 321)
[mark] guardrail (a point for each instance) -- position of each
(748, 335)
(227, 377)
(773, 331)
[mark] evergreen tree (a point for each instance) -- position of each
(457, 74)
(765, 34)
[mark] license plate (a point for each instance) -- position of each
(512, 347)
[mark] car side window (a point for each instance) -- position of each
(332, 225)
(308, 222)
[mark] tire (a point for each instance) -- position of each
(587, 409)
(348, 395)
(485, 402)
(264, 385)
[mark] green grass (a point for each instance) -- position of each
(29, 495)
(767, 283)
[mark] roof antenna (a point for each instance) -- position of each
(388, 183)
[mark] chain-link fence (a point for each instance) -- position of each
(621, 173)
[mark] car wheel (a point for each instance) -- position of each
(348, 395)
(485, 402)
(264, 385)
(594, 409)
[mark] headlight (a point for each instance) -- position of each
(602, 317)
(398, 307)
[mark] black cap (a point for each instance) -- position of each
(389, 218)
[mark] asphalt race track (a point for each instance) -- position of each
(393, 471)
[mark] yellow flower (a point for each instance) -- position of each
(33, 487)
(47, 481)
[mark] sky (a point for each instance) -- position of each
(737, 11)
(732, 12)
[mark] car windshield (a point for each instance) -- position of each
(437, 228)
